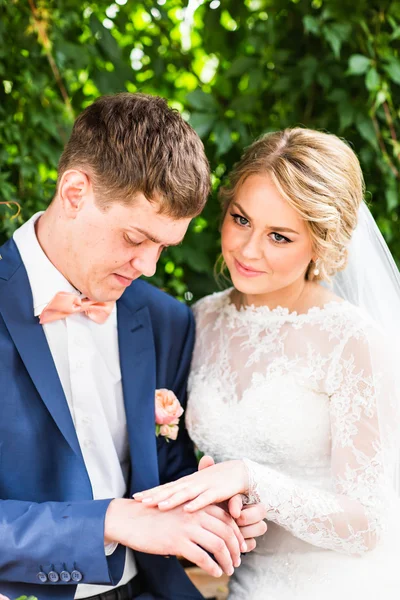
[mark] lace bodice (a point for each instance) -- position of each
(295, 395)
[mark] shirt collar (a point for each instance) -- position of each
(45, 280)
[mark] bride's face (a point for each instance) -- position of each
(265, 243)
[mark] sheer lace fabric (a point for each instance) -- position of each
(307, 401)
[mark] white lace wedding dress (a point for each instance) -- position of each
(294, 395)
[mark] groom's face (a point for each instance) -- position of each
(109, 248)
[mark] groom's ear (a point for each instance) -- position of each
(74, 187)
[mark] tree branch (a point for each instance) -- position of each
(383, 148)
(9, 204)
(44, 40)
(390, 123)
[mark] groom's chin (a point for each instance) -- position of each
(106, 294)
(111, 295)
(110, 289)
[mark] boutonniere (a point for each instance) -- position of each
(168, 412)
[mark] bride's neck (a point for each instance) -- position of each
(296, 297)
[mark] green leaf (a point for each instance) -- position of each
(107, 83)
(308, 68)
(311, 24)
(338, 95)
(202, 123)
(335, 34)
(223, 138)
(202, 101)
(241, 65)
(197, 261)
(282, 84)
(106, 40)
(367, 131)
(358, 64)
(224, 87)
(324, 79)
(392, 199)
(396, 34)
(256, 79)
(244, 103)
(372, 80)
(380, 98)
(346, 115)
(392, 194)
(393, 70)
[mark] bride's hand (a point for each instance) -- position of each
(235, 504)
(210, 485)
(249, 518)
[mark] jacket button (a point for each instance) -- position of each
(65, 576)
(76, 576)
(42, 577)
(53, 576)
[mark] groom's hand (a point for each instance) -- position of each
(251, 523)
(192, 535)
(250, 518)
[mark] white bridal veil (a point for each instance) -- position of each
(371, 281)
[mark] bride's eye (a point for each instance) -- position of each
(280, 239)
(239, 219)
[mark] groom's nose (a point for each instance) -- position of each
(145, 260)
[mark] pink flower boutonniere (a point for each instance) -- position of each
(168, 412)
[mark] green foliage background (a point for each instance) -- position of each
(234, 68)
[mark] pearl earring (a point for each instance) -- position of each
(316, 270)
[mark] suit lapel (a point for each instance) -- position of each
(138, 369)
(16, 308)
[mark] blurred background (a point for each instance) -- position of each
(234, 69)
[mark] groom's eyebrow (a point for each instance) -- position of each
(155, 240)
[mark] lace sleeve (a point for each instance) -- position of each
(349, 518)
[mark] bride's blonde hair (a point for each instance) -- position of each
(319, 175)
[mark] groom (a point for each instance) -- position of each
(84, 345)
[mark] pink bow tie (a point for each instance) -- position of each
(65, 303)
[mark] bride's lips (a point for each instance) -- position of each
(247, 271)
(125, 281)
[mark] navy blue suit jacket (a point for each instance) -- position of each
(48, 518)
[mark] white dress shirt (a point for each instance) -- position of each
(86, 357)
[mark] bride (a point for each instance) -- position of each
(293, 389)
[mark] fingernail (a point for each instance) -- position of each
(238, 563)
(188, 506)
(163, 503)
(244, 547)
(218, 573)
(147, 500)
(137, 496)
(230, 571)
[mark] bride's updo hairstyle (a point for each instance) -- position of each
(319, 176)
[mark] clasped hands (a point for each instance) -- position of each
(210, 504)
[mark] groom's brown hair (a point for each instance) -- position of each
(131, 143)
